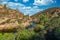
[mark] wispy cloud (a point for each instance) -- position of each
(30, 10)
(16, 0)
(25, 0)
(15, 5)
(36, 6)
(43, 2)
(22, 8)
(4, 0)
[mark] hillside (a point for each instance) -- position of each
(10, 19)
(47, 22)
(49, 13)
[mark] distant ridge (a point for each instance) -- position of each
(49, 13)
(47, 10)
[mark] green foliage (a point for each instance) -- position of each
(38, 28)
(44, 19)
(7, 36)
(57, 33)
(38, 36)
(24, 35)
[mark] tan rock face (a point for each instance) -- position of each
(7, 23)
(3, 20)
(36, 20)
(25, 24)
(9, 26)
(9, 18)
(1, 6)
(26, 21)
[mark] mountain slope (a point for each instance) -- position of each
(47, 20)
(11, 19)
(48, 13)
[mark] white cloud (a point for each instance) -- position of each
(25, 0)
(30, 10)
(4, 3)
(16, 0)
(15, 5)
(43, 2)
(24, 9)
(35, 7)
(4, 0)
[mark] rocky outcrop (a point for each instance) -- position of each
(9, 26)
(10, 19)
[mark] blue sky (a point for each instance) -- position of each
(30, 6)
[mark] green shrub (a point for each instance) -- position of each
(7, 36)
(24, 35)
(38, 36)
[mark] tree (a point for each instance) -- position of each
(57, 33)
(38, 36)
